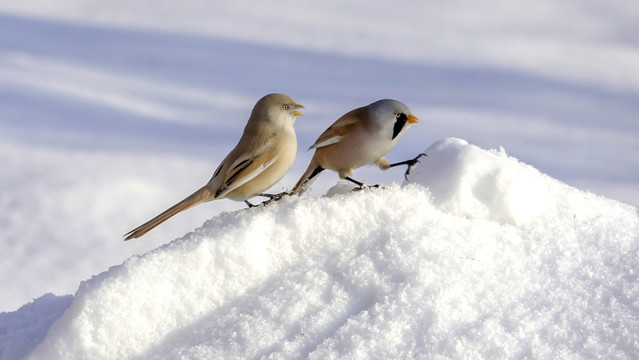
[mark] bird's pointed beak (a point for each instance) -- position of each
(412, 119)
(297, 107)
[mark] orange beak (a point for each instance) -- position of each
(297, 113)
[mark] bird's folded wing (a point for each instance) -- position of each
(244, 171)
(340, 128)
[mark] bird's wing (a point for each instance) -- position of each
(340, 128)
(244, 170)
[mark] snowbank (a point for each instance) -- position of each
(22, 330)
(483, 256)
(113, 110)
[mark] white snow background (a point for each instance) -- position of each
(111, 112)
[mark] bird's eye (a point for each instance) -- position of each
(397, 115)
(285, 107)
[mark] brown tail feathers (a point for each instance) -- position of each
(309, 176)
(200, 196)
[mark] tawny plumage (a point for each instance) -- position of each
(263, 155)
(360, 137)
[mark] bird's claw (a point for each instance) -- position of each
(273, 197)
(412, 163)
(366, 186)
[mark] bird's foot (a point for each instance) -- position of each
(410, 164)
(273, 197)
(361, 186)
(366, 186)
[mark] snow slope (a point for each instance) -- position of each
(111, 111)
(478, 256)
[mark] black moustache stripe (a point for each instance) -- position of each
(399, 125)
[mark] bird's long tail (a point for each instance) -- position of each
(309, 176)
(200, 196)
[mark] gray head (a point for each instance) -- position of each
(388, 113)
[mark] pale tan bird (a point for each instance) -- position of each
(264, 154)
(360, 137)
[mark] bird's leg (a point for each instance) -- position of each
(410, 163)
(249, 204)
(360, 185)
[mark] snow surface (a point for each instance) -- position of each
(449, 265)
(112, 111)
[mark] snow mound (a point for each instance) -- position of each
(468, 181)
(480, 256)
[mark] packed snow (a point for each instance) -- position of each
(449, 265)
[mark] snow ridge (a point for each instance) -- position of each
(451, 265)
